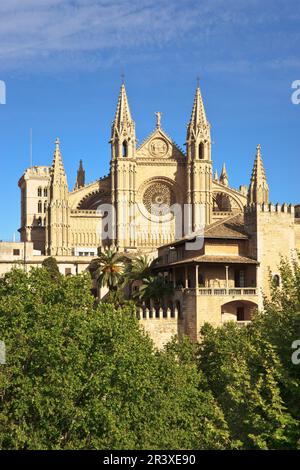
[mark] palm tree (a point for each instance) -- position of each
(153, 288)
(108, 269)
(139, 268)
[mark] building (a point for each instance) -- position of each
(216, 244)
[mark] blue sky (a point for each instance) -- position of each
(62, 61)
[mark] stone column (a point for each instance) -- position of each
(197, 276)
(186, 284)
(226, 276)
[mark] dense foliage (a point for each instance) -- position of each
(83, 375)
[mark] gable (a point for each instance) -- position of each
(159, 146)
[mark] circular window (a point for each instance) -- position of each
(158, 198)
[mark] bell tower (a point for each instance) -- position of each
(199, 166)
(58, 210)
(123, 174)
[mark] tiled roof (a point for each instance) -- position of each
(232, 227)
(213, 259)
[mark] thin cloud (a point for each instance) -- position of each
(80, 29)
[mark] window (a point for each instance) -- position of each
(68, 271)
(239, 278)
(124, 149)
(16, 252)
(39, 192)
(201, 151)
(45, 192)
(40, 207)
(276, 280)
(45, 206)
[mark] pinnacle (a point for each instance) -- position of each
(258, 189)
(198, 117)
(224, 176)
(57, 165)
(123, 114)
(258, 172)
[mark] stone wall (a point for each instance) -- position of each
(272, 231)
(160, 324)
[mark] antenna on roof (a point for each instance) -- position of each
(30, 147)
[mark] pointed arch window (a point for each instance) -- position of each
(39, 191)
(45, 192)
(45, 206)
(201, 151)
(40, 207)
(124, 149)
(276, 280)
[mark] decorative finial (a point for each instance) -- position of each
(123, 78)
(57, 142)
(198, 81)
(158, 119)
(258, 148)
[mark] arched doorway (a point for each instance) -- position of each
(238, 311)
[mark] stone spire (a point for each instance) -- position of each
(123, 129)
(198, 140)
(58, 181)
(80, 180)
(58, 171)
(198, 121)
(258, 192)
(58, 210)
(199, 166)
(123, 114)
(216, 177)
(224, 176)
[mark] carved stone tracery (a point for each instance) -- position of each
(157, 198)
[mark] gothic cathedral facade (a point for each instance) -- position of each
(155, 193)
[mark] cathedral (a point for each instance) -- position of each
(144, 181)
(216, 244)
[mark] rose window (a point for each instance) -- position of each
(158, 198)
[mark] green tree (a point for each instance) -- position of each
(153, 288)
(85, 377)
(279, 323)
(139, 268)
(251, 371)
(243, 371)
(50, 264)
(108, 269)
